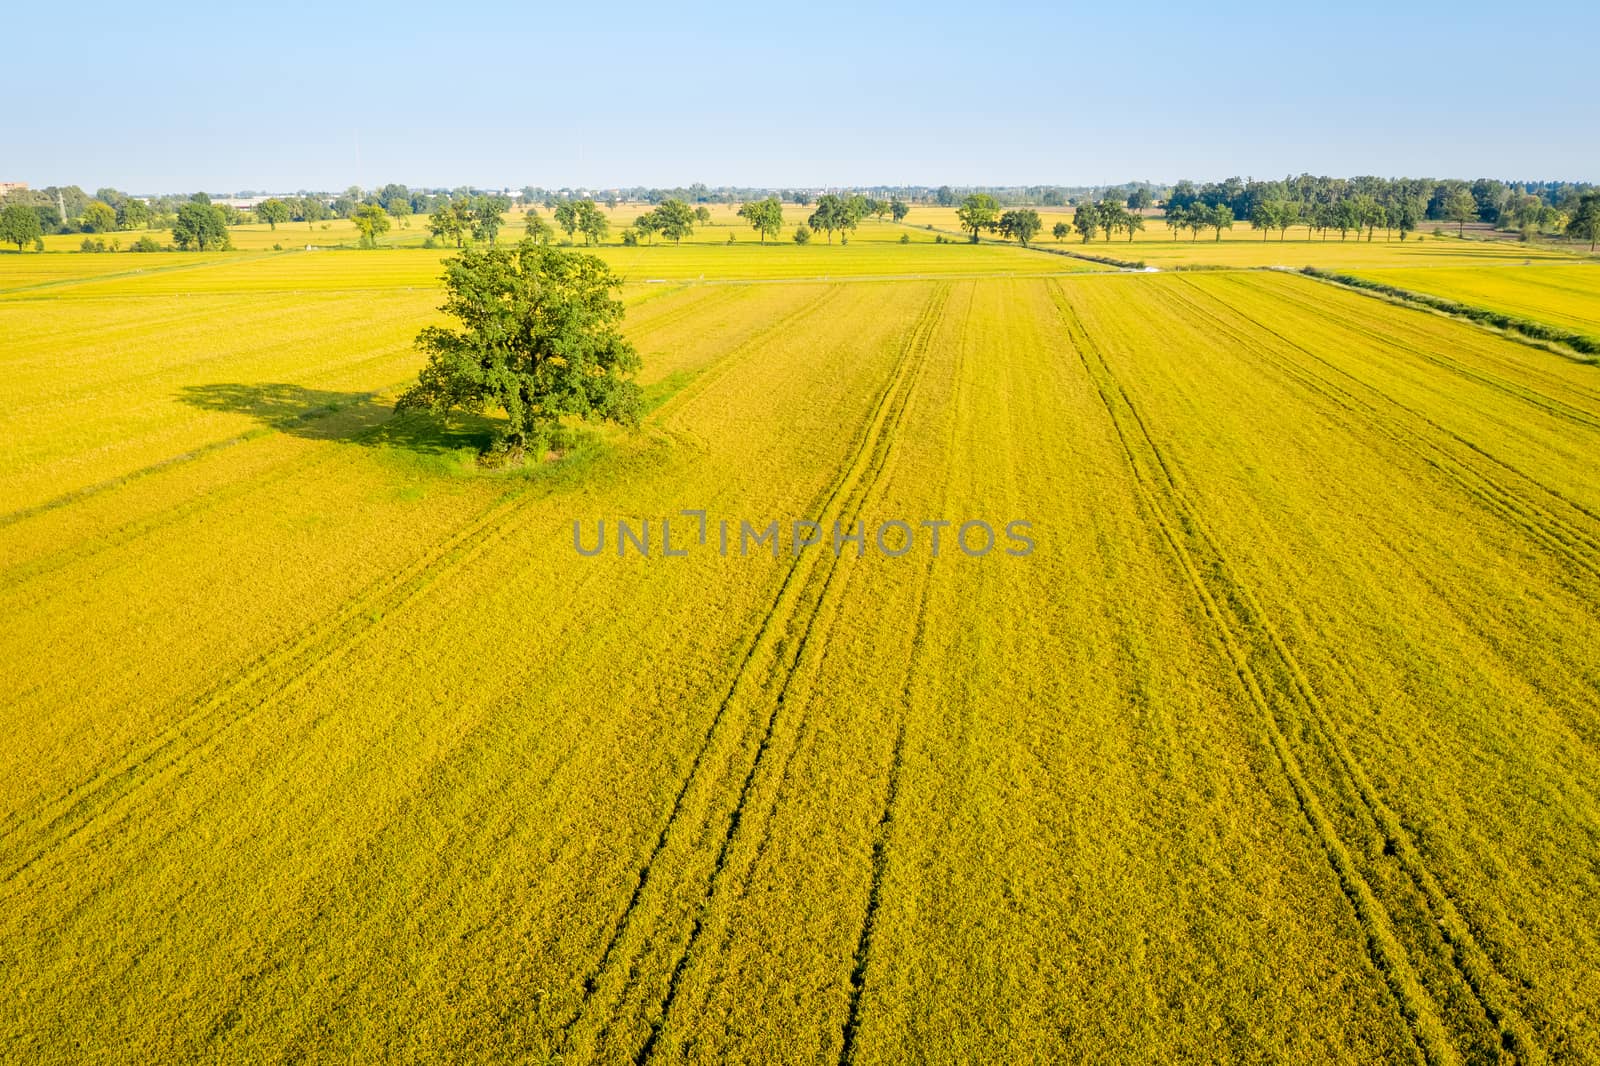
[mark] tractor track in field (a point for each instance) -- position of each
(161, 466)
(861, 960)
(770, 657)
(1519, 512)
(877, 450)
(1239, 623)
(1561, 536)
(277, 672)
(804, 728)
(715, 370)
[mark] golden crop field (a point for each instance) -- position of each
(1281, 744)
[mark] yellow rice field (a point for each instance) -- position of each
(1281, 744)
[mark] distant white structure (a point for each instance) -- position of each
(9, 187)
(241, 203)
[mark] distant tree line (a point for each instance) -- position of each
(1358, 206)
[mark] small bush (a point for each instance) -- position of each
(145, 244)
(905, 238)
(802, 235)
(429, 242)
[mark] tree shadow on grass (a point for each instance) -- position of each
(352, 417)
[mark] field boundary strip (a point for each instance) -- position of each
(136, 272)
(1539, 334)
(1235, 613)
(768, 660)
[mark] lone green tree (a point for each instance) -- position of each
(372, 221)
(485, 216)
(674, 219)
(199, 225)
(1060, 230)
(540, 231)
(566, 216)
(540, 338)
(1461, 208)
(979, 212)
(592, 222)
(449, 222)
(1176, 216)
(1086, 219)
(1221, 219)
(272, 212)
(1111, 215)
(764, 216)
(899, 209)
(1264, 216)
(19, 225)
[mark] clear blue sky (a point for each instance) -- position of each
(157, 98)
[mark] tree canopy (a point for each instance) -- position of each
(372, 221)
(834, 213)
(979, 212)
(539, 339)
(199, 225)
(1585, 221)
(19, 225)
(272, 212)
(764, 216)
(1021, 224)
(674, 219)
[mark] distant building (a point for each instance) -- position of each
(242, 203)
(9, 187)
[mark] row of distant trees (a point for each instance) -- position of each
(1324, 205)
(1351, 205)
(1399, 211)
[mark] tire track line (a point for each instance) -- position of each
(1560, 536)
(1183, 534)
(861, 960)
(768, 649)
(1489, 986)
(88, 803)
(1525, 393)
(912, 360)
